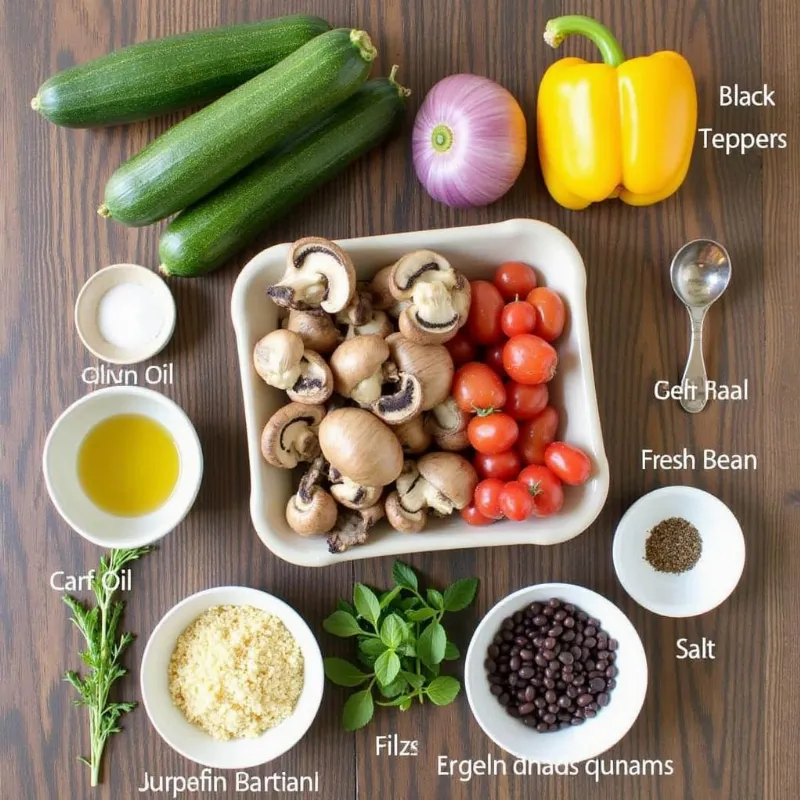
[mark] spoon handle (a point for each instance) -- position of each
(695, 395)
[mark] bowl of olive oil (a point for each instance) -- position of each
(123, 466)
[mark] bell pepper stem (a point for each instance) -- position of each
(559, 28)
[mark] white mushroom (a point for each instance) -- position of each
(400, 516)
(361, 447)
(448, 425)
(317, 331)
(354, 495)
(277, 357)
(352, 527)
(315, 384)
(319, 276)
(292, 435)
(378, 325)
(442, 482)
(413, 436)
(439, 297)
(359, 310)
(382, 297)
(312, 511)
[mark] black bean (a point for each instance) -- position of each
(579, 681)
(597, 685)
(553, 708)
(502, 668)
(556, 630)
(515, 663)
(508, 624)
(583, 616)
(603, 699)
(590, 629)
(593, 706)
(611, 672)
(529, 694)
(563, 725)
(564, 701)
(512, 711)
(537, 682)
(526, 654)
(560, 685)
(494, 651)
(549, 718)
(527, 708)
(566, 658)
(517, 617)
(548, 611)
(577, 721)
(496, 679)
(550, 696)
(526, 673)
(530, 721)
(513, 680)
(519, 629)
(549, 683)
(572, 692)
(567, 668)
(589, 714)
(583, 700)
(554, 602)
(569, 622)
(560, 615)
(498, 639)
(611, 684)
(540, 660)
(589, 641)
(568, 636)
(540, 702)
(601, 666)
(549, 643)
(496, 690)
(536, 608)
(588, 665)
(503, 699)
(507, 636)
(542, 727)
(568, 677)
(540, 619)
(553, 727)
(613, 644)
(576, 651)
(579, 638)
(602, 654)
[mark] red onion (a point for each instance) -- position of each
(469, 141)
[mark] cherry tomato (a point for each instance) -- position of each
(545, 488)
(516, 501)
(536, 434)
(518, 317)
(528, 359)
(550, 313)
(493, 433)
(472, 516)
(486, 306)
(569, 463)
(493, 357)
(487, 498)
(461, 349)
(504, 466)
(478, 387)
(515, 279)
(525, 402)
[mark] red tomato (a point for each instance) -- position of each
(486, 306)
(545, 488)
(461, 349)
(518, 317)
(477, 387)
(487, 498)
(516, 501)
(472, 516)
(569, 463)
(528, 359)
(492, 433)
(515, 279)
(536, 434)
(504, 466)
(525, 402)
(550, 313)
(493, 357)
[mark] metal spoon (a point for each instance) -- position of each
(700, 273)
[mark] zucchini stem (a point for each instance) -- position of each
(36, 103)
(364, 44)
(559, 28)
(103, 211)
(401, 90)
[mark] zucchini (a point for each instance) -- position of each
(204, 150)
(164, 75)
(206, 235)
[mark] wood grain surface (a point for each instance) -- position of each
(728, 725)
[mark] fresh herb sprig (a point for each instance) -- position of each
(103, 655)
(401, 645)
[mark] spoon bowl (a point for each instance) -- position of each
(700, 273)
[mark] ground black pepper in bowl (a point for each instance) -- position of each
(552, 666)
(674, 546)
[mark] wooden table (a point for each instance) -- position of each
(728, 725)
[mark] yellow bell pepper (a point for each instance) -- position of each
(618, 129)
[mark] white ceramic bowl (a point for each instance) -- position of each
(571, 745)
(476, 251)
(92, 293)
(60, 464)
(709, 582)
(188, 739)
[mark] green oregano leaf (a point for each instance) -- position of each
(342, 624)
(367, 603)
(387, 667)
(404, 576)
(343, 673)
(358, 710)
(432, 643)
(442, 691)
(460, 594)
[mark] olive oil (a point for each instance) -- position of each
(128, 465)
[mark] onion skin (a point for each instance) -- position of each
(469, 141)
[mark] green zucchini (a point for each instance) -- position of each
(206, 235)
(164, 75)
(204, 150)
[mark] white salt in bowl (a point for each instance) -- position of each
(160, 306)
(709, 582)
(191, 741)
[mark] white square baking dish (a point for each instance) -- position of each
(475, 251)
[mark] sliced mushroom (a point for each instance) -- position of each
(430, 364)
(378, 325)
(448, 425)
(402, 520)
(312, 511)
(292, 435)
(382, 297)
(315, 384)
(361, 447)
(277, 357)
(439, 297)
(413, 436)
(359, 310)
(317, 331)
(441, 482)
(354, 495)
(352, 527)
(357, 366)
(319, 277)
